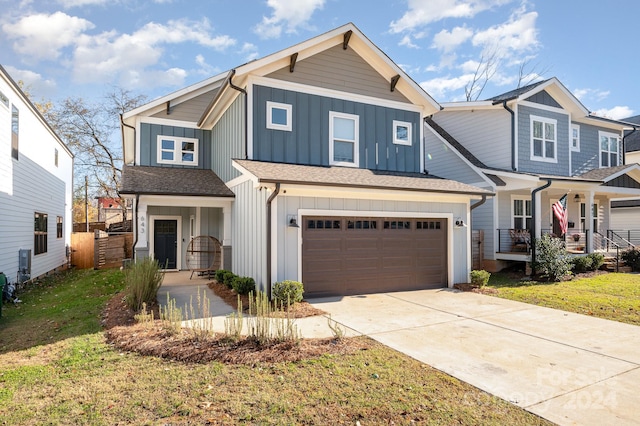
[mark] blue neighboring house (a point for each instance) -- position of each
(531, 146)
(308, 164)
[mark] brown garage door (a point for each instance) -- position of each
(356, 255)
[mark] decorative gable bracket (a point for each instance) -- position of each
(394, 81)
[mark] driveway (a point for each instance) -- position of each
(568, 368)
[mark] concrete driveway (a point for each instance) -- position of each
(568, 368)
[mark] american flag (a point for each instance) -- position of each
(560, 211)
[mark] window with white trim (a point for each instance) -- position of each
(177, 150)
(343, 139)
(575, 137)
(402, 132)
(608, 149)
(40, 233)
(279, 116)
(521, 213)
(15, 130)
(543, 139)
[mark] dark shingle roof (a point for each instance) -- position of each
(603, 174)
(632, 139)
(351, 177)
(172, 181)
(512, 94)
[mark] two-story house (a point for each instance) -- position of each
(36, 173)
(531, 146)
(625, 214)
(307, 164)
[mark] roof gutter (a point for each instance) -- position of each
(533, 223)
(513, 135)
(134, 138)
(269, 200)
(246, 129)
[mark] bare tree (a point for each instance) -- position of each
(528, 72)
(486, 69)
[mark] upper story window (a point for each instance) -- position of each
(4, 100)
(543, 139)
(55, 156)
(177, 150)
(575, 137)
(59, 233)
(402, 132)
(15, 128)
(608, 149)
(344, 139)
(279, 116)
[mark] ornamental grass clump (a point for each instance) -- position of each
(143, 280)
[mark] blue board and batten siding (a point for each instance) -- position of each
(149, 144)
(308, 141)
(525, 163)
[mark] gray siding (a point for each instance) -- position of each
(441, 161)
(149, 144)
(228, 140)
(342, 70)
(248, 233)
(288, 244)
(525, 164)
(486, 134)
(544, 98)
(482, 219)
(308, 142)
(588, 157)
(190, 110)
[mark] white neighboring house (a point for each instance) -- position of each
(36, 177)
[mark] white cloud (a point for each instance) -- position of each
(449, 40)
(440, 86)
(76, 3)
(35, 83)
(587, 93)
(42, 36)
(250, 51)
(518, 34)
(287, 14)
(616, 113)
(406, 41)
(424, 12)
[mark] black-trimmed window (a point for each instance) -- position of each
(40, 233)
(397, 224)
(59, 227)
(15, 128)
(362, 224)
(323, 224)
(428, 224)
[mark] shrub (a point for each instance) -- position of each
(632, 258)
(227, 278)
(244, 285)
(552, 260)
(288, 292)
(219, 275)
(480, 277)
(582, 264)
(143, 280)
(597, 260)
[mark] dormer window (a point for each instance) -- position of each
(543, 139)
(608, 149)
(575, 137)
(177, 150)
(401, 133)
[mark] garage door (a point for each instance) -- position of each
(357, 255)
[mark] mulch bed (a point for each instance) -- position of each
(154, 339)
(475, 288)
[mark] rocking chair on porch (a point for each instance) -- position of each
(520, 239)
(204, 254)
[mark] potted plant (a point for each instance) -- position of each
(576, 237)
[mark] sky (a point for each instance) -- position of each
(86, 48)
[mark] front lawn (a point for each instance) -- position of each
(611, 296)
(55, 368)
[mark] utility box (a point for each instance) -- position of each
(24, 265)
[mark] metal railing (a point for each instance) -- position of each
(605, 243)
(629, 238)
(514, 241)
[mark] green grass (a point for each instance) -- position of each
(611, 296)
(69, 375)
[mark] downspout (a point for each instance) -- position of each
(134, 138)
(246, 116)
(624, 151)
(269, 200)
(476, 205)
(533, 223)
(135, 242)
(513, 135)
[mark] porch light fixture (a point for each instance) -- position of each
(293, 223)
(460, 223)
(577, 198)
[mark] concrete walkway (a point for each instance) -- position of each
(568, 368)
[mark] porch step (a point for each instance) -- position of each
(610, 265)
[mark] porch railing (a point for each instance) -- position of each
(576, 241)
(606, 244)
(629, 238)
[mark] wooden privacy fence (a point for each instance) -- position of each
(100, 250)
(477, 249)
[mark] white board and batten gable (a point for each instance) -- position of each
(36, 173)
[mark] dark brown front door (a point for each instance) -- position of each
(357, 255)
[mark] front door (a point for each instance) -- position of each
(165, 242)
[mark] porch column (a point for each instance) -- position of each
(142, 244)
(226, 238)
(589, 219)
